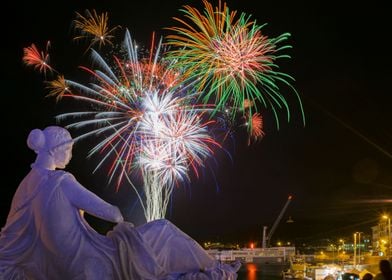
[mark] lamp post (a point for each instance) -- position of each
(386, 217)
(357, 244)
(343, 245)
(355, 251)
(341, 248)
(359, 248)
(333, 252)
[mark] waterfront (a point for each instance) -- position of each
(251, 271)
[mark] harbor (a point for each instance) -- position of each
(331, 258)
(283, 263)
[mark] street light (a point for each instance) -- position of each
(333, 252)
(386, 217)
(359, 247)
(343, 245)
(341, 248)
(355, 248)
(355, 251)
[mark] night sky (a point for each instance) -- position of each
(337, 167)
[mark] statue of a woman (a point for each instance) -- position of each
(47, 237)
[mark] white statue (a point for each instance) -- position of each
(46, 237)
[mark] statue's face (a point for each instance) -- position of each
(63, 155)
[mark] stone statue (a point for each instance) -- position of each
(47, 237)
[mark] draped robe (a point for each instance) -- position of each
(46, 237)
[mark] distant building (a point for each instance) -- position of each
(381, 236)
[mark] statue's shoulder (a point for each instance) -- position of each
(59, 178)
(61, 175)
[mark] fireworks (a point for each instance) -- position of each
(231, 59)
(147, 122)
(94, 27)
(256, 128)
(37, 59)
(156, 115)
(57, 88)
(175, 141)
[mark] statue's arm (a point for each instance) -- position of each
(86, 200)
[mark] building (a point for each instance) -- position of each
(381, 235)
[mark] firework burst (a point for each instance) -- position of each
(256, 128)
(153, 116)
(94, 27)
(37, 59)
(175, 142)
(148, 124)
(231, 59)
(58, 88)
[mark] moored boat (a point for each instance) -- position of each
(270, 261)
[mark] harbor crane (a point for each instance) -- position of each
(267, 238)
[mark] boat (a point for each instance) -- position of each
(297, 269)
(270, 261)
(303, 267)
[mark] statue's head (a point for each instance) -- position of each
(54, 141)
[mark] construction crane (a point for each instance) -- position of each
(267, 238)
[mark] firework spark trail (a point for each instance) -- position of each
(147, 124)
(37, 59)
(58, 88)
(95, 27)
(230, 59)
(256, 131)
(174, 142)
(157, 114)
(177, 133)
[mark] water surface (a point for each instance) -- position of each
(251, 271)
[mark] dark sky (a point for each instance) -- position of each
(337, 167)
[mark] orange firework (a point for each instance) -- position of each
(94, 27)
(154, 73)
(157, 73)
(38, 59)
(247, 103)
(256, 128)
(58, 88)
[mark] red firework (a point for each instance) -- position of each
(256, 128)
(37, 59)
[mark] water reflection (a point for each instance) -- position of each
(250, 271)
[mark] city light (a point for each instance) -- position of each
(357, 246)
(386, 217)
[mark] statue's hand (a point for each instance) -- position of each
(119, 219)
(128, 223)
